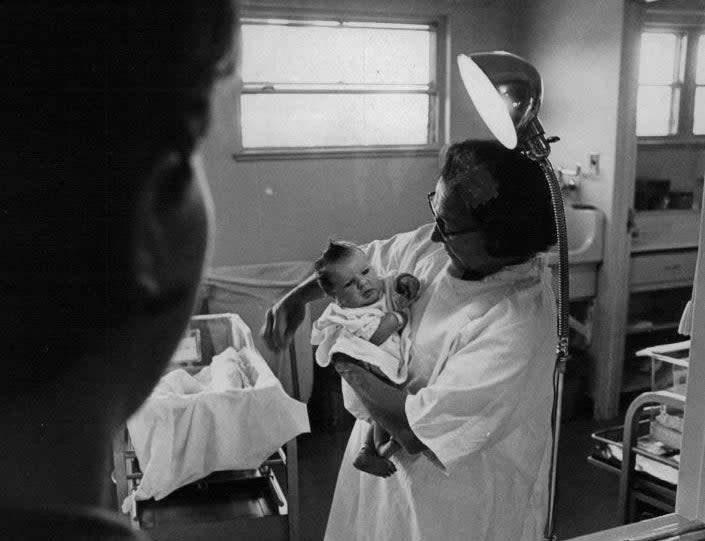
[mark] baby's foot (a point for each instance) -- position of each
(370, 462)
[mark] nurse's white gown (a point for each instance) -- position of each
(480, 374)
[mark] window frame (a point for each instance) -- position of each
(439, 92)
(666, 23)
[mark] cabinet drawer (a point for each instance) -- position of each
(667, 268)
(665, 230)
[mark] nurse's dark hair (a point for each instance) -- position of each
(93, 93)
(517, 218)
(335, 252)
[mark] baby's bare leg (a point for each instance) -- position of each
(369, 461)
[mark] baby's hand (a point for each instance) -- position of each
(407, 286)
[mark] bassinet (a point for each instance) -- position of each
(247, 502)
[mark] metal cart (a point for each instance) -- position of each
(647, 466)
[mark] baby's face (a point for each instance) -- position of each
(355, 282)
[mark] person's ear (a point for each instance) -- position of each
(171, 229)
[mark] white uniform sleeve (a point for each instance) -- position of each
(402, 252)
(485, 388)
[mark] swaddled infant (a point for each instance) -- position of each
(375, 310)
(230, 370)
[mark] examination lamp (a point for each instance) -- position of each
(507, 92)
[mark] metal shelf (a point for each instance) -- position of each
(643, 328)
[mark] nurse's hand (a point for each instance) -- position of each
(384, 401)
(281, 323)
(285, 316)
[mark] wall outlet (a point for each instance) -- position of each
(594, 163)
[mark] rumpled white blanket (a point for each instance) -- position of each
(331, 333)
(231, 415)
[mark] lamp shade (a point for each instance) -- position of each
(506, 90)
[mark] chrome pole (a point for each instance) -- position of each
(536, 147)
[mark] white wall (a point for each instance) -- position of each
(279, 210)
(576, 47)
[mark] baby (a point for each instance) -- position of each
(372, 310)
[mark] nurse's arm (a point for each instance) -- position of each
(288, 313)
(384, 402)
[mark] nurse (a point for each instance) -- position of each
(479, 394)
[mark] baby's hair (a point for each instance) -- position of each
(336, 251)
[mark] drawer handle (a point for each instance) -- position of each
(673, 267)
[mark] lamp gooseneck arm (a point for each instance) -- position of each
(563, 329)
(562, 234)
(536, 147)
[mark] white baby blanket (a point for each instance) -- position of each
(336, 338)
(231, 415)
(336, 330)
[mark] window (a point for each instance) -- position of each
(660, 83)
(345, 84)
(699, 110)
(671, 95)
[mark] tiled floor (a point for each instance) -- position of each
(586, 497)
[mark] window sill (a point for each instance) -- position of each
(671, 141)
(320, 153)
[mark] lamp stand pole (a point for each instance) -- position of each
(536, 147)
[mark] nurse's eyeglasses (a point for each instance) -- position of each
(441, 226)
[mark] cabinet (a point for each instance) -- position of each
(664, 236)
(661, 273)
(653, 319)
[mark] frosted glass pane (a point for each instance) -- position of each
(657, 58)
(700, 72)
(699, 111)
(653, 110)
(301, 54)
(290, 120)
